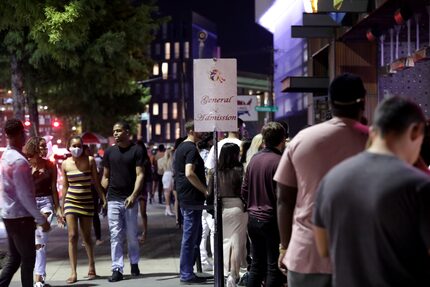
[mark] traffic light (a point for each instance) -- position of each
(56, 123)
(27, 123)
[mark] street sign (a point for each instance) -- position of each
(215, 95)
(246, 108)
(266, 108)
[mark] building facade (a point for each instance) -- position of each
(184, 37)
(386, 42)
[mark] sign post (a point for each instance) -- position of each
(215, 109)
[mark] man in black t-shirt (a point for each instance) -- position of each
(123, 179)
(372, 212)
(192, 191)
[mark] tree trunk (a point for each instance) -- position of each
(33, 111)
(17, 89)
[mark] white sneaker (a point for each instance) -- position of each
(168, 212)
(231, 282)
(207, 266)
(39, 284)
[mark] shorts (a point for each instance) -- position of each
(147, 187)
(44, 204)
(167, 180)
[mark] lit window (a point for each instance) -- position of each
(177, 131)
(175, 110)
(266, 98)
(41, 120)
(155, 109)
(165, 111)
(186, 50)
(167, 131)
(165, 70)
(167, 50)
(155, 70)
(158, 129)
(176, 50)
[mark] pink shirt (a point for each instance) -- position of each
(308, 157)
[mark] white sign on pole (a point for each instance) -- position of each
(215, 95)
(246, 108)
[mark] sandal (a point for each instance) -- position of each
(142, 238)
(71, 280)
(91, 275)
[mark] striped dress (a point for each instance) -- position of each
(79, 199)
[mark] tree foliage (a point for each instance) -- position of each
(83, 57)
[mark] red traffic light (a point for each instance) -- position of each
(56, 124)
(27, 123)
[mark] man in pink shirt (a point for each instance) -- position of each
(308, 157)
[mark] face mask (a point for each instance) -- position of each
(76, 151)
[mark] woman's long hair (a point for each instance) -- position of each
(169, 158)
(32, 146)
(229, 157)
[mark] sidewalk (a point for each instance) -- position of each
(159, 263)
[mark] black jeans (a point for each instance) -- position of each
(21, 252)
(265, 240)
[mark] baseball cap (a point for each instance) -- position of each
(347, 90)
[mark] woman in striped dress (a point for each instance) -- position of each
(78, 207)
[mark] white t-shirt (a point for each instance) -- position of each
(210, 161)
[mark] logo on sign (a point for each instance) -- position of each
(244, 108)
(215, 75)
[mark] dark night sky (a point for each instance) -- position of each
(238, 34)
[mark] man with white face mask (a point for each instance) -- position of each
(123, 179)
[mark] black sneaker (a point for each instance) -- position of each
(116, 276)
(195, 280)
(135, 270)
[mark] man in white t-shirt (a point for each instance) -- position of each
(233, 137)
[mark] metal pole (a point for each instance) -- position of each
(182, 87)
(382, 38)
(408, 24)
(218, 256)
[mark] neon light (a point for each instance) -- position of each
(279, 10)
(274, 14)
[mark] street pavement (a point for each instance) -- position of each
(159, 262)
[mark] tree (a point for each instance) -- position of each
(101, 49)
(82, 57)
(15, 19)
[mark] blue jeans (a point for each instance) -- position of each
(123, 223)
(191, 237)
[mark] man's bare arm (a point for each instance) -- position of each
(285, 205)
(286, 202)
(105, 178)
(193, 178)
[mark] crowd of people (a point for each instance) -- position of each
(338, 205)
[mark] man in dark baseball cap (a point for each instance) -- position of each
(347, 95)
